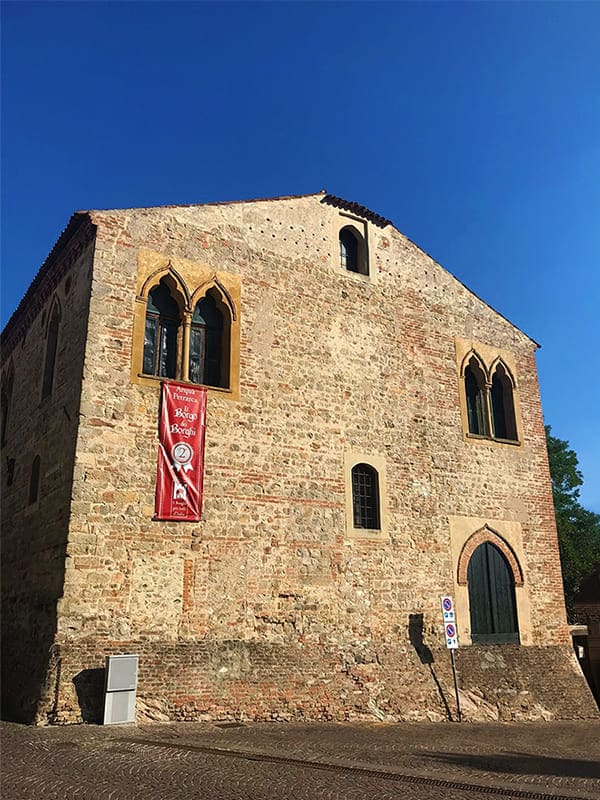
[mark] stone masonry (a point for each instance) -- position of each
(271, 607)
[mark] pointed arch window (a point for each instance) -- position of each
(161, 333)
(208, 340)
(365, 497)
(476, 396)
(492, 602)
(51, 349)
(502, 405)
(353, 251)
(5, 403)
(34, 480)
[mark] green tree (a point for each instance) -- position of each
(578, 528)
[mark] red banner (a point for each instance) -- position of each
(181, 453)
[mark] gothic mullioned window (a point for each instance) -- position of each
(489, 400)
(186, 337)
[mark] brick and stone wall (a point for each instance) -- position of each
(34, 535)
(267, 608)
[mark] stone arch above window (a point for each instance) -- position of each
(486, 534)
(219, 291)
(169, 277)
(353, 250)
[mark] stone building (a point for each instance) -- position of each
(374, 439)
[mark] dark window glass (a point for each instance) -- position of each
(34, 480)
(160, 334)
(365, 497)
(4, 404)
(51, 346)
(498, 411)
(10, 471)
(348, 250)
(476, 399)
(5, 400)
(502, 402)
(206, 343)
(491, 597)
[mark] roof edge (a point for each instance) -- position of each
(27, 308)
(320, 193)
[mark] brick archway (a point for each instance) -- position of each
(486, 534)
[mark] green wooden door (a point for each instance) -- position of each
(491, 597)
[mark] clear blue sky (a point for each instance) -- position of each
(474, 127)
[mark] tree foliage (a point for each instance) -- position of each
(578, 528)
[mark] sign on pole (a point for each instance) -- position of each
(450, 632)
(451, 637)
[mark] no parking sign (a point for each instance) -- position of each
(450, 632)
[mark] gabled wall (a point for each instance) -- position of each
(273, 605)
(34, 535)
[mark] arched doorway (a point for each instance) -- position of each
(492, 597)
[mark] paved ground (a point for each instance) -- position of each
(353, 761)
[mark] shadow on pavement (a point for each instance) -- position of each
(521, 764)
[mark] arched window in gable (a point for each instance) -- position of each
(492, 597)
(34, 480)
(353, 251)
(161, 340)
(476, 396)
(365, 497)
(51, 348)
(502, 405)
(209, 343)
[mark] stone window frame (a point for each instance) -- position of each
(180, 274)
(488, 358)
(466, 534)
(353, 458)
(360, 228)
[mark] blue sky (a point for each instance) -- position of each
(474, 127)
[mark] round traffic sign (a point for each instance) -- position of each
(447, 604)
(450, 630)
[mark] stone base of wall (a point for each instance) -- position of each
(251, 680)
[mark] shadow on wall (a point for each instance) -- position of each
(415, 635)
(89, 685)
(28, 660)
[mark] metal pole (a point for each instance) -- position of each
(458, 711)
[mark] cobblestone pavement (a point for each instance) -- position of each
(279, 761)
